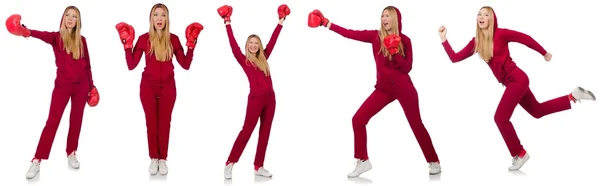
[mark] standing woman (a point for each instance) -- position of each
(261, 100)
(157, 88)
(491, 43)
(393, 59)
(73, 82)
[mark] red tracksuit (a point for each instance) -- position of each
(158, 91)
(261, 101)
(515, 80)
(73, 81)
(393, 83)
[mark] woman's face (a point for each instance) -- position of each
(484, 18)
(253, 45)
(159, 18)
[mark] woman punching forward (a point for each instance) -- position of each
(393, 60)
(73, 82)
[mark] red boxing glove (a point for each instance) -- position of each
(316, 18)
(392, 42)
(191, 34)
(283, 11)
(126, 34)
(93, 97)
(225, 12)
(14, 26)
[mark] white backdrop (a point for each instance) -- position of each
(320, 79)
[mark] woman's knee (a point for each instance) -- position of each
(500, 118)
(360, 119)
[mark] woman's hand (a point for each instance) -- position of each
(548, 57)
(442, 31)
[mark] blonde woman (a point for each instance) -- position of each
(157, 88)
(491, 44)
(73, 82)
(261, 100)
(393, 59)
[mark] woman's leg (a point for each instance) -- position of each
(539, 110)
(513, 94)
(60, 98)
(266, 120)
(78, 102)
(253, 111)
(149, 100)
(408, 97)
(166, 103)
(371, 106)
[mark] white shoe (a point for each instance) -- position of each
(34, 169)
(262, 172)
(227, 173)
(583, 94)
(153, 169)
(73, 162)
(163, 169)
(434, 168)
(362, 166)
(518, 162)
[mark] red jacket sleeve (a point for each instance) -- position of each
(272, 40)
(48, 37)
(366, 36)
(87, 60)
(404, 63)
(514, 36)
(185, 60)
(463, 54)
(133, 56)
(235, 48)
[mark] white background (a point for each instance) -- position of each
(320, 80)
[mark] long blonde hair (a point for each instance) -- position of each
(160, 43)
(71, 41)
(484, 43)
(259, 59)
(383, 33)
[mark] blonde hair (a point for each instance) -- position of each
(484, 43)
(71, 41)
(383, 33)
(160, 43)
(259, 59)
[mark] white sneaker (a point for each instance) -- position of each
(362, 166)
(583, 94)
(434, 168)
(163, 169)
(153, 169)
(518, 162)
(228, 171)
(73, 162)
(262, 172)
(34, 169)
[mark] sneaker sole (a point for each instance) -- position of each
(587, 92)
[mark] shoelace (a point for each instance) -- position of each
(73, 158)
(514, 161)
(433, 164)
(262, 170)
(34, 165)
(357, 164)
